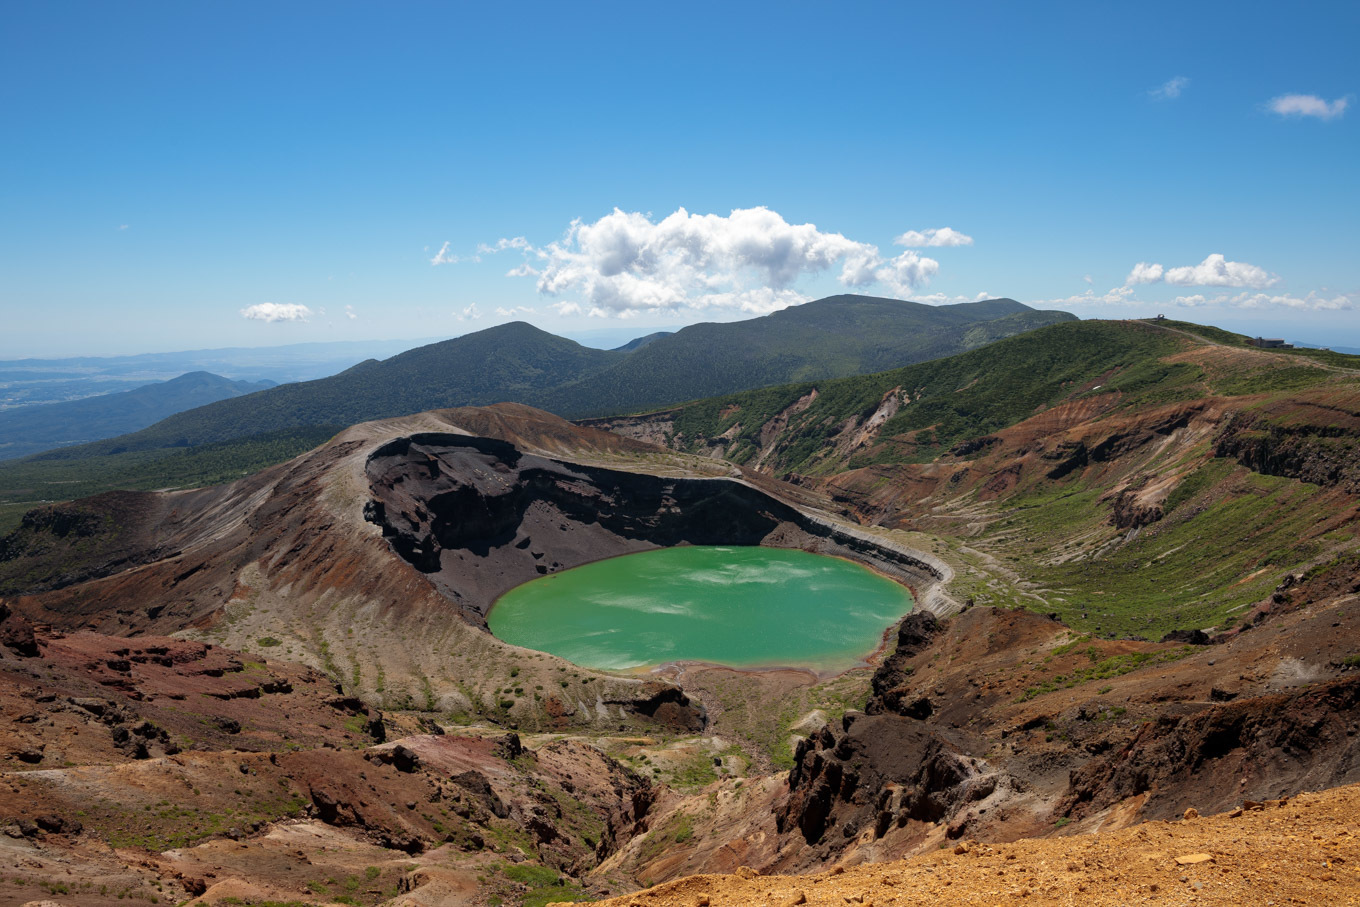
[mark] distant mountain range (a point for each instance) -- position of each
(837, 336)
(30, 429)
(31, 382)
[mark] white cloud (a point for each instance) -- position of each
(1308, 105)
(1089, 281)
(445, 257)
(946, 299)
(1144, 273)
(1313, 302)
(276, 311)
(123, 226)
(748, 260)
(941, 236)
(470, 313)
(1115, 296)
(442, 257)
(1217, 271)
(1170, 89)
(906, 272)
(513, 312)
(1214, 271)
(349, 312)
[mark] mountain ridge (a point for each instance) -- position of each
(31, 429)
(521, 363)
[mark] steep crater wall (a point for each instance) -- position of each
(480, 516)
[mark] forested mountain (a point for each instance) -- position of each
(829, 338)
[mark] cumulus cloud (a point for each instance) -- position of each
(1313, 301)
(513, 311)
(1214, 271)
(1217, 271)
(469, 313)
(748, 260)
(941, 236)
(1144, 273)
(1308, 105)
(276, 311)
(1170, 89)
(349, 312)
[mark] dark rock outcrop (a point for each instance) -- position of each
(1252, 747)
(880, 771)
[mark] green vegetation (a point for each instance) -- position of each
(830, 338)
(1104, 670)
(950, 400)
(55, 476)
(1225, 540)
(1228, 338)
(545, 885)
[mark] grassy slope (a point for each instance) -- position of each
(835, 337)
(954, 399)
(1228, 534)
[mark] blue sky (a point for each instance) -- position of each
(172, 168)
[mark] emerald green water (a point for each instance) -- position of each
(740, 606)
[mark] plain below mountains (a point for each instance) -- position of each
(30, 429)
(837, 336)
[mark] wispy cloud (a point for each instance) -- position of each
(349, 312)
(1308, 105)
(445, 257)
(469, 313)
(941, 236)
(276, 311)
(1313, 301)
(750, 260)
(1115, 296)
(123, 226)
(1214, 271)
(1170, 89)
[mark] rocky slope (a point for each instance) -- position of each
(1301, 850)
(1140, 582)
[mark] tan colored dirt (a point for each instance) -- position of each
(1301, 851)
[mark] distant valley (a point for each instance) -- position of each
(30, 429)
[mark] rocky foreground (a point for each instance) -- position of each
(1303, 850)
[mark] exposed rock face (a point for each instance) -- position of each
(1256, 748)
(1315, 445)
(888, 767)
(880, 772)
(479, 516)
